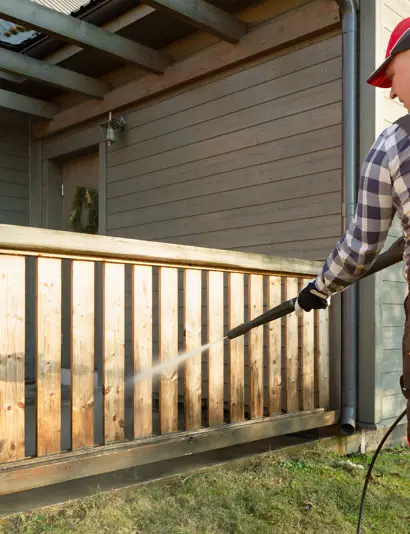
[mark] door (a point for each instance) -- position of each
(82, 171)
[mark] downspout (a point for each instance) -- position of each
(349, 296)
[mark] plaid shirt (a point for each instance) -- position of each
(384, 191)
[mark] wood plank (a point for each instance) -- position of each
(308, 358)
(192, 375)
(236, 303)
(315, 184)
(48, 356)
(309, 19)
(113, 361)
(274, 341)
(278, 124)
(269, 101)
(283, 232)
(82, 355)
(81, 33)
(240, 217)
(71, 466)
(168, 342)
(12, 358)
(327, 140)
(215, 321)
(40, 240)
(255, 347)
(175, 111)
(322, 357)
(291, 351)
(203, 16)
(142, 336)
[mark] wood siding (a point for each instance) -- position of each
(232, 163)
(14, 168)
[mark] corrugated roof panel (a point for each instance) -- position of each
(14, 34)
(63, 6)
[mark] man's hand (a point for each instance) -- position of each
(310, 298)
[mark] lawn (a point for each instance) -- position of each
(312, 491)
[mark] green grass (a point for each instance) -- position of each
(308, 491)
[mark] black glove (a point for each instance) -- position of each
(311, 299)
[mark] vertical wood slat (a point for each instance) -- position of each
(142, 344)
(48, 356)
(12, 364)
(82, 354)
(291, 351)
(274, 349)
(215, 307)
(168, 346)
(255, 349)
(322, 357)
(113, 360)
(236, 348)
(193, 374)
(308, 358)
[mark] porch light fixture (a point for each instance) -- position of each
(111, 126)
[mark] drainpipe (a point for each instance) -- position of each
(349, 296)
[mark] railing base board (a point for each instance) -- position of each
(39, 472)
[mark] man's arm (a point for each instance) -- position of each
(358, 248)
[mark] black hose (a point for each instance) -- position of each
(369, 471)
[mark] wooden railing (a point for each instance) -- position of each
(276, 377)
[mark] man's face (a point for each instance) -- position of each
(399, 73)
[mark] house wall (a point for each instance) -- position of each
(246, 159)
(14, 168)
(382, 296)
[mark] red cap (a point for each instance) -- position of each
(399, 42)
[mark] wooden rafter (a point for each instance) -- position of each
(36, 69)
(307, 20)
(82, 34)
(26, 104)
(203, 16)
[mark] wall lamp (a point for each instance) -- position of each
(111, 126)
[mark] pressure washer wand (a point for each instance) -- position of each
(392, 256)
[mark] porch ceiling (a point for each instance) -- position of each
(85, 52)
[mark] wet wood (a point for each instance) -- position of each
(48, 356)
(142, 344)
(12, 365)
(215, 308)
(236, 347)
(274, 341)
(82, 355)
(193, 374)
(322, 357)
(70, 466)
(255, 349)
(308, 358)
(168, 346)
(113, 361)
(291, 351)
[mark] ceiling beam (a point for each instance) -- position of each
(11, 77)
(27, 104)
(36, 69)
(81, 33)
(203, 16)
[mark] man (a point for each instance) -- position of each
(383, 192)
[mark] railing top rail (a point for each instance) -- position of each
(40, 241)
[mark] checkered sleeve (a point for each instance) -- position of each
(358, 248)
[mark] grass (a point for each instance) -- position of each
(310, 491)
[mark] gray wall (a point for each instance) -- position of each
(249, 161)
(14, 168)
